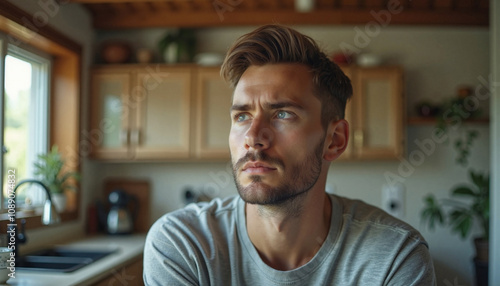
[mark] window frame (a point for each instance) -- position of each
(39, 124)
(65, 95)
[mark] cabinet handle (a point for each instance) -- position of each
(358, 138)
(135, 136)
(124, 137)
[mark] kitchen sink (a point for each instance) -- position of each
(53, 264)
(70, 252)
(59, 259)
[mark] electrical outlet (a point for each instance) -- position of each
(393, 199)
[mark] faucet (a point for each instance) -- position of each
(49, 214)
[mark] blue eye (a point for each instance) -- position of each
(283, 115)
(241, 117)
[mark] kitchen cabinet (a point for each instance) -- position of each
(375, 113)
(130, 274)
(181, 112)
(140, 112)
(213, 101)
(159, 112)
(110, 113)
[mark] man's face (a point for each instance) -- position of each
(276, 138)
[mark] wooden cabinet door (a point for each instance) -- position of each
(214, 97)
(110, 115)
(128, 275)
(162, 125)
(378, 99)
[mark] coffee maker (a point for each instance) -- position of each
(122, 213)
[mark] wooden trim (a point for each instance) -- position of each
(120, 1)
(236, 17)
(16, 22)
(33, 220)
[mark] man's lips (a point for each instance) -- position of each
(257, 167)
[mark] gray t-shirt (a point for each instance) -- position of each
(208, 244)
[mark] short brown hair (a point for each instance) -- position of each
(272, 44)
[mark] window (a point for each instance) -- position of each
(65, 76)
(25, 117)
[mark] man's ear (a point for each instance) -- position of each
(337, 137)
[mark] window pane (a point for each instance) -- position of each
(17, 103)
(25, 119)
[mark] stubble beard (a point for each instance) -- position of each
(295, 184)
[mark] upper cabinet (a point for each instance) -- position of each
(213, 101)
(159, 113)
(110, 113)
(161, 99)
(181, 112)
(375, 113)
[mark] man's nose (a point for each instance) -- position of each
(259, 136)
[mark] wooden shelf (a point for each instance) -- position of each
(433, 121)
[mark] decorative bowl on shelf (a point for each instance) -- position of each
(116, 52)
(209, 59)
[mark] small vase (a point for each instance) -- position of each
(59, 201)
(171, 54)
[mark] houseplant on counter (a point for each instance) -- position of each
(49, 169)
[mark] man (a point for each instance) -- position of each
(283, 228)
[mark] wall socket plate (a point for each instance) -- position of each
(393, 199)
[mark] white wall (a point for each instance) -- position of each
(436, 60)
(74, 22)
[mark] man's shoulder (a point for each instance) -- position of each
(199, 216)
(366, 215)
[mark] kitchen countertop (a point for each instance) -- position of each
(129, 248)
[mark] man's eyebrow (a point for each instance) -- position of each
(271, 106)
(240, 107)
(284, 104)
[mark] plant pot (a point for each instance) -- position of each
(59, 201)
(481, 269)
(481, 261)
(482, 249)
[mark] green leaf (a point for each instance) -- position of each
(464, 191)
(461, 221)
(432, 212)
(49, 167)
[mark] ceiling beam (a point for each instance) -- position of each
(236, 17)
(121, 1)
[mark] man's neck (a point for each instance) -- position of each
(287, 238)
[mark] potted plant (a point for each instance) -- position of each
(469, 204)
(178, 46)
(49, 169)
